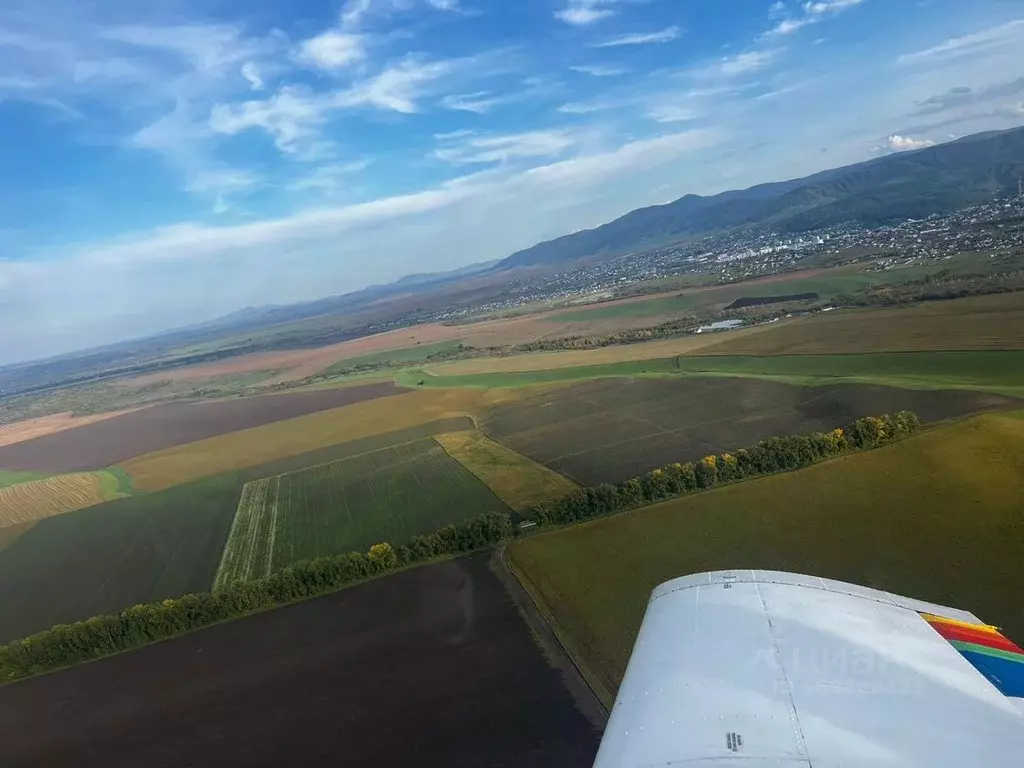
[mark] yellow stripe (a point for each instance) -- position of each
(932, 619)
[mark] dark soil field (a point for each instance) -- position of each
(614, 429)
(142, 548)
(430, 667)
(110, 441)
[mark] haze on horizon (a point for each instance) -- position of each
(167, 166)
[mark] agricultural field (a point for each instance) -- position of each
(826, 283)
(415, 354)
(107, 442)
(517, 480)
(998, 371)
(980, 322)
(10, 532)
(145, 547)
(349, 505)
(432, 665)
(28, 428)
(13, 477)
(273, 442)
(614, 429)
(36, 499)
(573, 358)
(936, 517)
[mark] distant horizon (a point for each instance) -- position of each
(486, 264)
(170, 166)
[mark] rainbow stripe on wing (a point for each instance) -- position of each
(1000, 660)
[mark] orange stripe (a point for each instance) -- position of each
(939, 620)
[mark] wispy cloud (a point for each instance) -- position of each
(962, 96)
(670, 113)
(331, 179)
(483, 102)
(666, 35)
(1010, 33)
(739, 64)
(805, 14)
(599, 70)
(294, 115)
(474, 149)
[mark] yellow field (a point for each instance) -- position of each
(248, 447)
(936, 517)
(544, 361)
(39, 426)
(978, 323)
(518, 481)
(35, 500)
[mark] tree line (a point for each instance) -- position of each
(67, 644)
(100, 636)
(776, 454)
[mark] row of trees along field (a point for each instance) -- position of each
(100, 636)
(773, 455)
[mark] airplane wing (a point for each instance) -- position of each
(763, 669)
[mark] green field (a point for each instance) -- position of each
(143, 547)
(349, 505)
(417, 354)
(15, 476)
(826, 286)
(999, 371)
(936, 517)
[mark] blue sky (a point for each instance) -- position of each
(165, 163)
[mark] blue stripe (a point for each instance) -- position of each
(1006, 675)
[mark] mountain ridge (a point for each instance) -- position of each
(935, 179)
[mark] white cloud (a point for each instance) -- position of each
(599, 70)
(329, 179)
(332, 50)
(898, 143)
(788, 26)
(669, 113)
(811, 13)
(474, 149)
(252, 74)
(480, 102)
(666, 35)
(295, 115)
(1010, 33)
(399, 86)
(210, 49)
(744, 63)
(582, 13)
(292, 116)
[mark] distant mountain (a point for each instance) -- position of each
(271, 314)
(913, 184)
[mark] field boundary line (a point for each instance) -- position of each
(353, 456)
(532, 608)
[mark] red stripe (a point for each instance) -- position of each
(987, 639)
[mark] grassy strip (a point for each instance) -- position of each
(517, 480)
(996, 371)
(10, 477)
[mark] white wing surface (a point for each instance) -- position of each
(763, 669)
